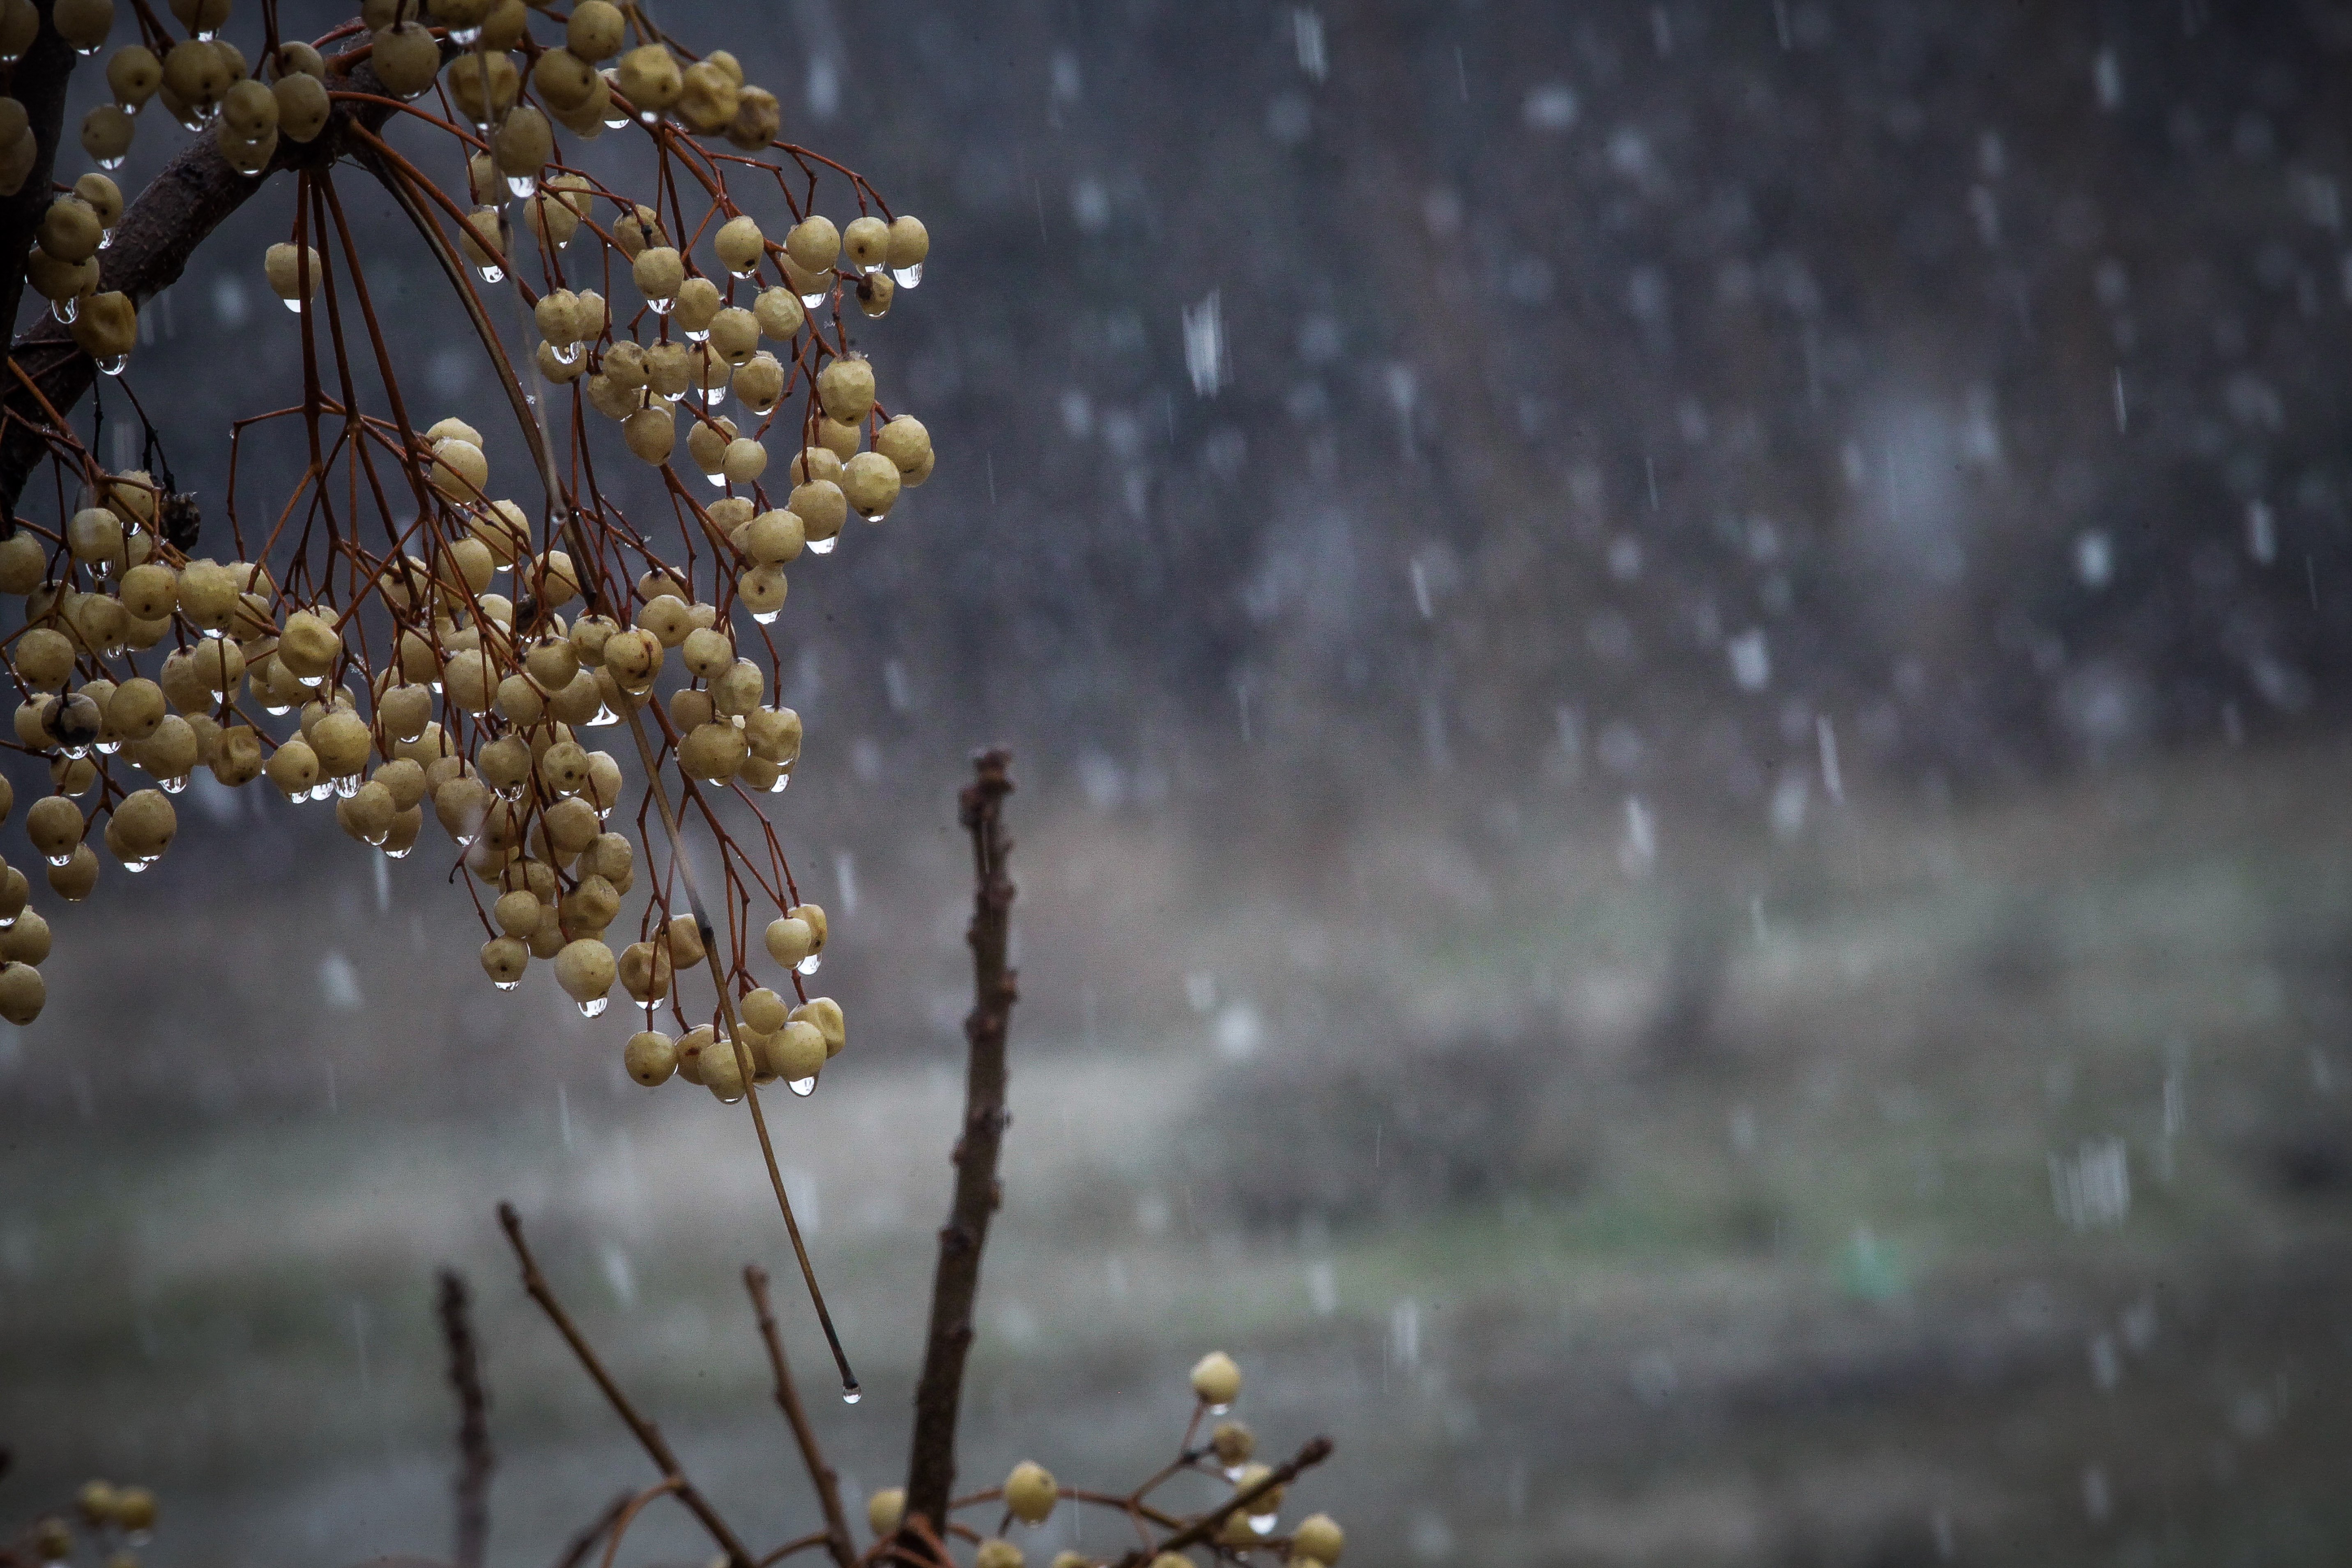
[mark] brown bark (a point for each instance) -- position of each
(474, 1461)
(931, 1476)
(160, 231)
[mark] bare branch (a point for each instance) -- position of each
(649, 1435)
(931, 1476)
(586, 1542)
(836, 1534)
(474, 1460)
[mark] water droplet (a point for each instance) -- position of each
(114, 162)
(712, 397)
(592, 1008)
(7, 921)
(293, 305)
(603, 716)
(106, 240)
(208, 35)
(65, 859)
(781, 780)
(869, 268)
(766, 617)
(64, 310)
(565, 353)
(377, 838)
(823, 546)
(661, 304)
(615, 121)
(804, 1087)
(107, 748)
(174, 786)
(908, 276)
(811, 302)
(398, 854)
(492, 274)
(701, 337)
(137, 864)
(465, 38)
(1262, 1523)
(75, 753)
(810, 965)
(85, 54)
(348, 785)
(506, 984)
(113, 365)
(751, 271)
(851, 1395)
(869, 516)
(1219, 1409)
(273, 709)
(649, 117)
(523, 187)
(718, 480)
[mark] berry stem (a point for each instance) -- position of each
(835, 1535)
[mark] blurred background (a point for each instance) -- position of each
(1675, 676)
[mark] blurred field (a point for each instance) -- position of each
(1761, 1207)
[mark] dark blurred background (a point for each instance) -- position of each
(1674, 669)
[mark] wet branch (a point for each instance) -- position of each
(160, 230)
(474, 1460)
(649, 1435)
(931, 1476)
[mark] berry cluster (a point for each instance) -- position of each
(1248, 1519)
(410, 635)
(107, 1521)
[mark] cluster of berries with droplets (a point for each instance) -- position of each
(1030, 1492)
(407, 637)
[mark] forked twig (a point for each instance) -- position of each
(649, 1435)
(586, 1542)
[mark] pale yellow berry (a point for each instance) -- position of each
(504, 958)
(22, 993)
(651, 432)
(1216, 1379)
(905, 442)
(303, 107)
(824, 1013)
(407, 58)
(814, 244)
(586, 971)
(1030, 1490)
(845, 388)
(1319, 1537)
(722, 1069)
(884, 1508)
(649, 79)
(997, 1552)
(866, 243)
(795, 1051)
(909, 244)
(595, 30)
(686, 945)
(869, 483)
(650, 1056)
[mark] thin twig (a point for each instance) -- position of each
(586, 1542)
(821, 1475)
(955, 1285)
(474, 1460)
(649, 1435)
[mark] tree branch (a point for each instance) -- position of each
(649, 1435)
(474, 1460)
(160, 231)
(931, 1476)
(837, 1535)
